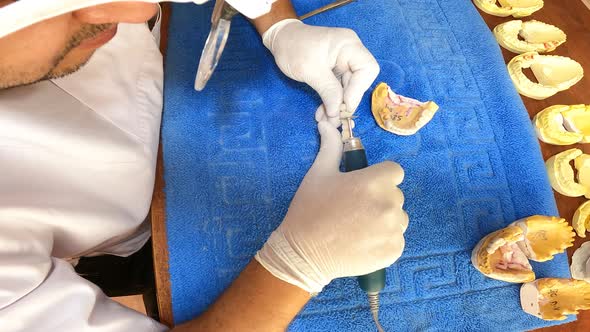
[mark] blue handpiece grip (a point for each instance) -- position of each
(355, 159)
(372, 282)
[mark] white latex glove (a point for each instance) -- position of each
(333, 61)
(338, 224)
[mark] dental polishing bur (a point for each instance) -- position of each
(355, 158)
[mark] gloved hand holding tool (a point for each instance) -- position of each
(338, 224)
(333, 61)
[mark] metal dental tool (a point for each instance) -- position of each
(355, 158)
(327, 7)
(220, 27)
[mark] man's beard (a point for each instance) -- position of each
(87, 31)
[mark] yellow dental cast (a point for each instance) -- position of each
(563, 124)
(545, 237)
(577, 119)
(489, 256)
(554, 73)
(538, 36)
(581, 220)
(505, 254)
(561, 174)
(582, 165)
(398, 114)
(516, 8)
(553, 298)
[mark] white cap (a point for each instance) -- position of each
(23, 13)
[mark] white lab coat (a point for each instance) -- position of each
(77, 168)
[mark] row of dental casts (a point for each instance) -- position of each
(505, 254)
(405, 116)
(564, 125)
(528, 39)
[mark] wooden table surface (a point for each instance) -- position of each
(572, 16)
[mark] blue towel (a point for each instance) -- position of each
(235, 153)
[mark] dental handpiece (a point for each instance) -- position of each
(355, 158)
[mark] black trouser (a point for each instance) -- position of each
(123, 276)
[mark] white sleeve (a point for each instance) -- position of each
(42, 293)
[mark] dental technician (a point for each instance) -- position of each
(80, 109)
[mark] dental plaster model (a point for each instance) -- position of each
(538, 36)
(577, 119)
(563, 124)
(581, 220)
(498, 256)
(561, 174)
(505, 254)
(545, 237)
(554, 73)
(580, 267)
(553, 298)
(582, 165)
(516, 8)
(398, 114)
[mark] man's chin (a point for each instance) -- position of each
(56, 73)
(65, 64)
(63, 73)
(63, 70)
